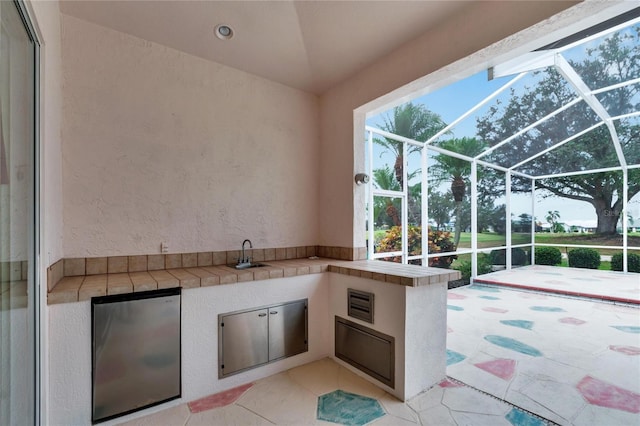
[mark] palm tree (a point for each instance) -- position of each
(411, 121)
(456, 169)
(384, 179)
(552, 218)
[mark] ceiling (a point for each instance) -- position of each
(308, 45)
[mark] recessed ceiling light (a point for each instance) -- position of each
(223, 32)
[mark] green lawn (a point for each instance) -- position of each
(491, 239)
(588, 239)
(569, 238)
(378, 234)
(605, 265)
(488, 239)
(484, 240)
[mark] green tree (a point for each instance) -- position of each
(615, 60)
(457, 170)
(414, 202)
(440, 208)
(485, 213)
(498, 219)
(523, 224)
(553, 218)
(411, 121)
(386, 210)
(384, 178)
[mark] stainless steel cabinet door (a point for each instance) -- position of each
(244, 341)
(287, 330)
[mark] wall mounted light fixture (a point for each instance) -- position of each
(361, 178)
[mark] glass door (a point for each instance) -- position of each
(18, 324)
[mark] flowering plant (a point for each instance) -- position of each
(439, 242)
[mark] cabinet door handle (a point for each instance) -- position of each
(262, 315)
(273, 312)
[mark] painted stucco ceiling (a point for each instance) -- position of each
(308, 45)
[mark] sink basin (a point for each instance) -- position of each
(246, 265)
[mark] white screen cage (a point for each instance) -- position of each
(562, 121)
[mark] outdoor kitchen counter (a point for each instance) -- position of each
(394, 273)
(84, 287)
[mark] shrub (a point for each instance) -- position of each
(584, 258)
(633, 262)
(484, 266)
(518, 256)
(439, 242)
(548, 256)
(392, 240)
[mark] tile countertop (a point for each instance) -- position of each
(79, 288)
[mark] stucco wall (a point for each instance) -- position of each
(480, 36)
(389, 318)
(415, 316)
(163, 146)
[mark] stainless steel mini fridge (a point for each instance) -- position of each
(136, 351)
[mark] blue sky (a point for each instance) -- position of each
(452, 101)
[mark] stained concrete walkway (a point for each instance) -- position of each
(298, 397)
(571, 361)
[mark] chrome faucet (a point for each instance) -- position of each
(244, 259)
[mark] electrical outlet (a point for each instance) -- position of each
(164, 247)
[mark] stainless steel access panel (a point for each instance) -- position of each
(366, 349)
(251, 338)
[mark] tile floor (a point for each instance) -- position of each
(291, 398)
(514, 358)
